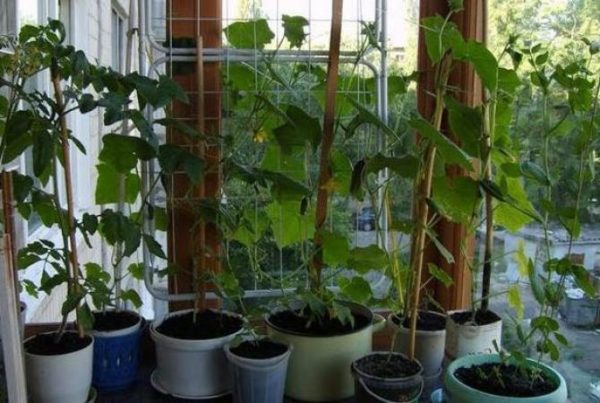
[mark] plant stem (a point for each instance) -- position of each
(423, 191)
(66, 154)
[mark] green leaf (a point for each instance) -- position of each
(508, 81)
(287, 224)
(71, 302)
(117, 228)
(249, 34)
(440, 37)
(440, 275)
(363, 259)
(532, 170)
(22, 186)
(48, 283)
(124, 152)
(456, 198)
(336, 250)
(136, 270)
(440, 247)
(561, 339)
(95, 272)
(514, 300)
(483, 61)
(341, 169)
(582, 279)
(161, 220)
(447, 148)
(133, 297)
(343, 313)
(405, 166)
(466, 124)
(107, 187)
(254, 224)
(172, 157)
(365, 115)
(300, 128)
(154, 247)
(356, 289)
(293, 29)
(42, 152)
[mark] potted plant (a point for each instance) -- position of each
(258, 364)
(326, 332)
(59, 364)
(476, 330)
(492, 376)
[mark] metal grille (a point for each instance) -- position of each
(166, 55)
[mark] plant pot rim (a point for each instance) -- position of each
(89, 337)
(119, 332)
(393, 325)
(250, 361)
(355, 307)
(487, 358)
(363, 374)
(469, 324)
(156, 335)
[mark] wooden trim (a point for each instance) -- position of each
(471, 22)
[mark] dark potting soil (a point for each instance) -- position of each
(296, 322)
(425, 321)
(510, 383)
(209, 325)
(387, 366)
(481, 317)
(43, 344)
(114, 320)
(259, 349)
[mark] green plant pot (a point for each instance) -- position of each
(457, 392)
(319, 367)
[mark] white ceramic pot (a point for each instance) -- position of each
(429, 345)
(191, 369)
(467, 339)
(60, 378)
(319, 366)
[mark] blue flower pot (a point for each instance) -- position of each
(116, 358)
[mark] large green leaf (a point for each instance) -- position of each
(514, 300)
(365, 116)
(356, 289)
(466, 124)
(173, 158)
(336, 249)
(457, 198)
(363, 259)
(124, 152)
(293, 29)
(451, 152)
(107, 186)
(484, 62)
(440, 37)
(300, 129)
(249, 34)
(405, 166)
(253, 224)
(288, 225)
(290, 164)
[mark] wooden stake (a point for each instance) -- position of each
(327, 141)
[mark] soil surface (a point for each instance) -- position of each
(481, 318)
(209, 325)
(510, 382)
(296, 322)
(259, 349)
(387, 366)
(425, 321)
(43, 344)
(114, 320)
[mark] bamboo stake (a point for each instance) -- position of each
(200, 302)
(422, 208)
(66, 153)
(327, 141)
